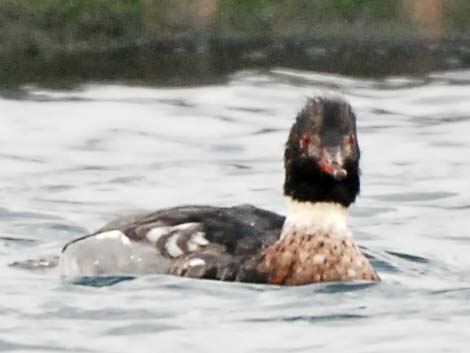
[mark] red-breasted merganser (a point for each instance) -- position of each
(245, 243)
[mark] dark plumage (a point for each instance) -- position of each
(242, 229)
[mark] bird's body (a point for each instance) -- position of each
(246, 243)
(194, 241)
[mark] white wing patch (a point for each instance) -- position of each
(195, 262)
(114, 235)
(178, 240)
(172, 246)
(155, 234)
(197, 241)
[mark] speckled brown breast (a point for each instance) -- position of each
(298, 259)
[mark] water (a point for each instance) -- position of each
(71, 160)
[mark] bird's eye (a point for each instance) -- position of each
(306, 140)
(352, 140)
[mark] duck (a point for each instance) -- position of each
(244, 243)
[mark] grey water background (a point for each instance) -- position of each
(72, 159)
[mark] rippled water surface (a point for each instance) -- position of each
(71, 160)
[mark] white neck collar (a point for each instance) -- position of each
(318, 215)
